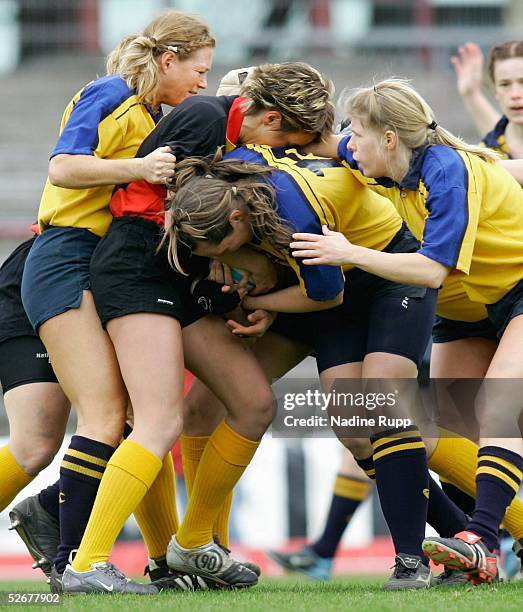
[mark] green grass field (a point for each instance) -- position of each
(359, 594)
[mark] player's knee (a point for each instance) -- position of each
(35, 455)
(260, 410)
(360, 448)
(173, 428)
(195, 413)
(106, 428)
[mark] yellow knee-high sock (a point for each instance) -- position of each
(456, 459)
(223, 461)
(156, 514)
(129, 474)
(12, 477)
(221, 524)
(192, 451)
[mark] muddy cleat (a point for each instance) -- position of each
(210, 562)
(409, 573)
(465, 552)
(450, 578)
(305, 561)
(103, 578)
(165, 579)
(39, 531)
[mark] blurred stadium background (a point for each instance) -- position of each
(50, 48)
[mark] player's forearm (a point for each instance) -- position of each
(85, 171)
(290, 299)
(406, 268)
(327, 147)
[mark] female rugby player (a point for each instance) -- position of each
(469, 212)
(144, 304)
(101, 131)
(505, 70)
(352, 325)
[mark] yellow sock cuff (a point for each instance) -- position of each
(232, 446)
(135, 459)
(193, 446)
(11, 466)
(14, 478)
(351, 488)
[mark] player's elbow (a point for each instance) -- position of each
(431, 273)
(434, 283)
(338, 299)
(437, 275)
(63, 170)
(325, 305)
(57, 171)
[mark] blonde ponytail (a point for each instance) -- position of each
(134, 58)
(394, 105)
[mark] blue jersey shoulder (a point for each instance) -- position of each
(443, 168)
(109, 92)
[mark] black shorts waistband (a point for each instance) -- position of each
(146, 224)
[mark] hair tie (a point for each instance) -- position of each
(209, 176)
(432, 126)
(172, 48)
(234, 190)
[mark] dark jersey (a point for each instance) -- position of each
(198, 126)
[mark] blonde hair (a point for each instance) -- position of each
(205, 192)
(298, 91)
(394, 105)
(134, 59)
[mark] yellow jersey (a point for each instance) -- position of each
(104, 119)
(314, 191)
(468, 214)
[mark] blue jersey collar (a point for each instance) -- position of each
(412, 178)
